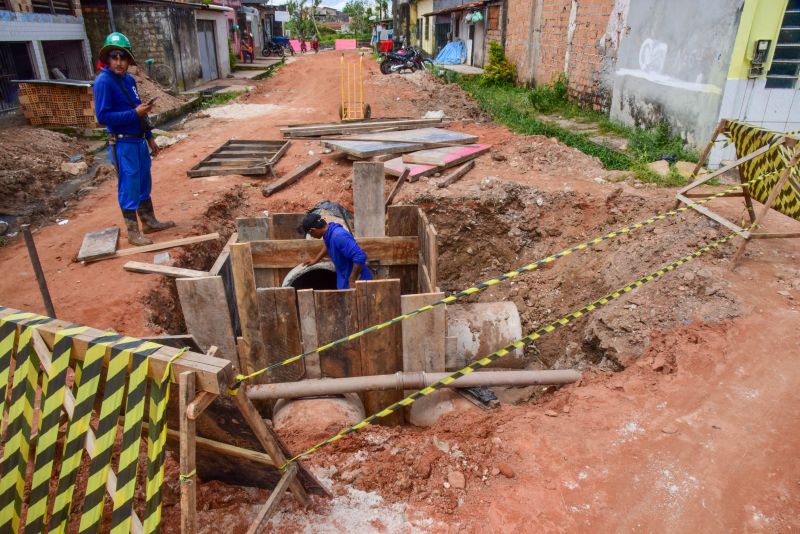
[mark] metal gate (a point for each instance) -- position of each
(442, 29)
(15, 64)
(208, 49)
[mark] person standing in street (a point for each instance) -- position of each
(120, 109)
(348, 258)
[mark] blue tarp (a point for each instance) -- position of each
(454, 53)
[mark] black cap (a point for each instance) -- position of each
(313, 220)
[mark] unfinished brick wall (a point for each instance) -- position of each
(575, 47)
(517, 44)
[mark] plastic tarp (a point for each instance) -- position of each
(453, 53)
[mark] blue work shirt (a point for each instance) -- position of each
(344, 253)
(112, 108)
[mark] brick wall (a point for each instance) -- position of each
(517, 43)
(576, 46)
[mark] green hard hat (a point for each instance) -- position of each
(116, 41)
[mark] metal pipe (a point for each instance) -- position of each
(403, 381)
(37, 269)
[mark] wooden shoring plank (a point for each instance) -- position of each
(223, 255)
(225, 449)
(165, 270)
(273, 501)
(425, 285)
(710, 214)
(199, 404)
(308, 330)
(188, 466)
(44, 354)
(368, 203)
(267, 439)
(397, 186)
(286, 225)
(433, 256)
(291, 178)
(381, 351)
(337, 316)
(457, 174)
(288, 253)
(252, 228)
(206, 318)
(402, 220)
(423, 335)
(100, 244)
(280, 328)
(244, 282)
(214, 374)
(166, 244)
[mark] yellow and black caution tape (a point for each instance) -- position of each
(518, 344)
(477, 288)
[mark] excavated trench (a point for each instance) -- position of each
(512, 225)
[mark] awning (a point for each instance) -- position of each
(463, 7)
(211, 7)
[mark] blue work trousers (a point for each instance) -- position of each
(133, 180)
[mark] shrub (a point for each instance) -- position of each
(499, 70)
(547, 98)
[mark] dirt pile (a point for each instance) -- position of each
(148, 89)
(427, 93)
(30, 168)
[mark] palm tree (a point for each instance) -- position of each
(383, 8)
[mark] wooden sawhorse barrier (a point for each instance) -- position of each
(772, 156)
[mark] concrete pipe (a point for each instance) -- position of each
(481, 329)
(318, 276)
(405, 381)
(316, 418)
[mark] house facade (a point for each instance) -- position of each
(689, 63)
(40, 40)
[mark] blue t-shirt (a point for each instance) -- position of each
(112, 108)
(344, 253)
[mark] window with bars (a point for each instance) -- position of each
(54, 7)
(785, 68)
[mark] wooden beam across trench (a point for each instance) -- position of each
(288, 253)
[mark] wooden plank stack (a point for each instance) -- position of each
(241, 156)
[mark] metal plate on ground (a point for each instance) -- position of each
(240, 156)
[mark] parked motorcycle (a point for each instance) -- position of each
(277, 46)
(404, 59)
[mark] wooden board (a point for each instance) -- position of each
(206, 316)
(100, 244)
(280, 328)
(162, 246)
(288, 253)
(396, 188)
(165, 270)
(237, 157)
(419, 135)
(429, 251)
(253, 350)
(292, 177)
(457, 174)
(447, 156)
(308, 331)
(368, 199)
(367, 149)
(381, 351)
(424, 334)
(286, 225)
(317, 130)
(337, 316)
(402, 220)
(396, 167)
(252, 229)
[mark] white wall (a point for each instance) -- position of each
(221, 37)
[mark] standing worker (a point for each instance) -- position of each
(348, 258)
(120, 109)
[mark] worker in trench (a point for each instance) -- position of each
(342, 248)
(120, 109)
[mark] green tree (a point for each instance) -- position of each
(357, 10)
(383, 8)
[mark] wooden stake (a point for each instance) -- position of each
(397, 186)
(456, 175)
(274, 500)
(186, 388)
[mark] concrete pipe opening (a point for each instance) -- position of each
(318, 276)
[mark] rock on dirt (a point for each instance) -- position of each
(74, 168)
(660, 167)
(506, 470)
(457, 480)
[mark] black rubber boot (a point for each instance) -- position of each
(132, 225)
(149, 222)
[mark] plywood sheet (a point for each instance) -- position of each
(367, 149)
(447, 156)
(280, 330)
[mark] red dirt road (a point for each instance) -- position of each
(699, 434)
